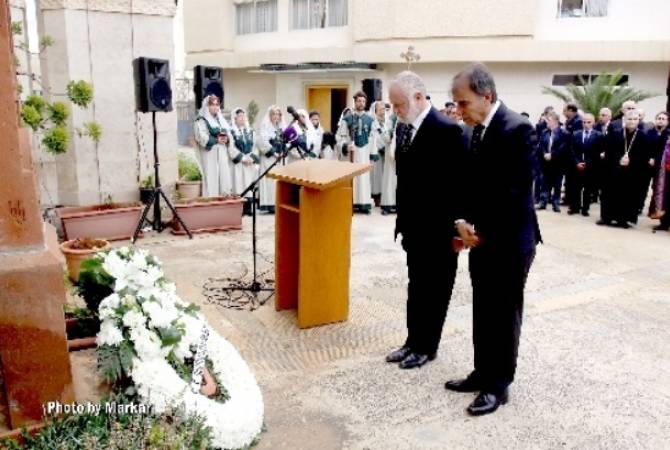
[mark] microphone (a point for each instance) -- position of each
(291, 110)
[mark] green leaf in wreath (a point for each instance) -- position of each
(169, 336)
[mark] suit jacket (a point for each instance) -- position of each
(501, 207)
(575, 124)
(601, 128)
(560, 150)
(430, 176)
(586, 150)
(639, 153)
(657, 143)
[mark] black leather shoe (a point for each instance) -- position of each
(398, 355)
(487, 402)
(661, 228)
(542, 206)
(624, 225)
(572, 212)
(416, 360)
(556, 208)
(585, 213)
(468, 384)
(603, 222)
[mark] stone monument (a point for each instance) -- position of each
(34, 362)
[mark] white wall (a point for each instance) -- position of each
(627, 20)
(99, 47)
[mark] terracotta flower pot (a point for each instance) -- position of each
(209, 215)
(74, 257)
(189, 190)
(110, 222)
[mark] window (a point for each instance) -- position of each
(307, 14)
(576, 79)
(256, 16)
(582, 8)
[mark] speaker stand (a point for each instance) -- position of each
(156, 194)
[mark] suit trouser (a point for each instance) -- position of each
(431, 279)
(498, 281)
(551, 187)
(578, 188)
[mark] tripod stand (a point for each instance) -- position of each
(156, 195)
(254, 287)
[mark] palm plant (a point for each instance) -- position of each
(602, 91)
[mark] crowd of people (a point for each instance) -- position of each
(613, 162)
(580, 160)
(232, 156)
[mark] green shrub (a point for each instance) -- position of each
(80, 92)
(56, 140)
(58, 113)
(31, 116)
(188, 169)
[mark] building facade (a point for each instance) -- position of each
(305, 53)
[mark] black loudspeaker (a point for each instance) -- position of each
(152, 84)
(207, 80)
(373, 89)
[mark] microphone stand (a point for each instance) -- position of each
(254, 287)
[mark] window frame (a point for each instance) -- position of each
(324, 20)
(254, 16)
(585, 13)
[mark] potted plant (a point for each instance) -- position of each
(190, 178)
(109, 221)
(77, 250)
(146, 188)
(211, 214)
(81, 327)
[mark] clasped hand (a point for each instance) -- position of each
(467, 233)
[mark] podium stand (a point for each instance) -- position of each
(313, 239)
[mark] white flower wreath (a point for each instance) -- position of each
(145, 313)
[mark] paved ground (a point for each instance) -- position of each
(594, 356)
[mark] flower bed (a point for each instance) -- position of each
(147, 347)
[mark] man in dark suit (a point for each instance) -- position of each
(552, 153)
(587, 144)
(502, 160)
(573, 121)
(430, 159)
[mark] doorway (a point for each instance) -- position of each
(329, 101)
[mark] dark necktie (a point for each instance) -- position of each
(406, 138)
(476, 142)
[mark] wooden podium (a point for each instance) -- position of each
(313, 238)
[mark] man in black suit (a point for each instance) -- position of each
(502, 157)
(587, 144)
(430, 158)
(552, 153)
(573, 121)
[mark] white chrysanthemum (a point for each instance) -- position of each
(129, 301)
(114, 265)
(139, 259)
(109, 334)
(134, 319)
(193, 328)
(183, 350)
(160, 317)
(147, 344)
(108, 305)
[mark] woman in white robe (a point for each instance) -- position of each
(270, 147)
(382, 139)
(212, 134)
(243, 154)
(304, 147)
